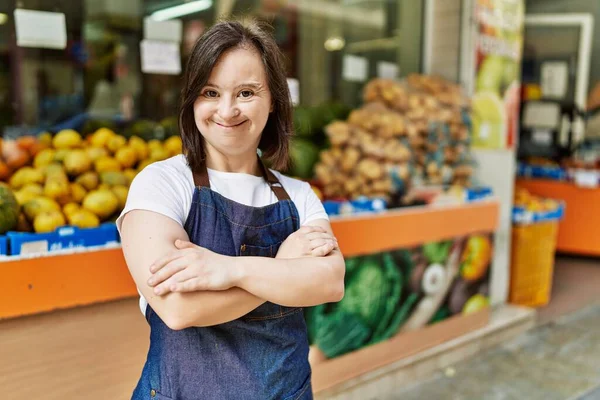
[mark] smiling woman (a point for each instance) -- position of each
(224, 251)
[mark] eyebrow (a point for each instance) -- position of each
(253, 85)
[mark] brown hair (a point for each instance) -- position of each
(225, 35)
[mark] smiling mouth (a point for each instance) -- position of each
(230, 126)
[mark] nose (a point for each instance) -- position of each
(228, 109)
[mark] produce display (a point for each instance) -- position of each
(400, 291)
(66, 179)
(407, 133)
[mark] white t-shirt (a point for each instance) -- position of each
(167, 187)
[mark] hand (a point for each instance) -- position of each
(191, 268)
(308, 241)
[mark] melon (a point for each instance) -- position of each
(9, 209)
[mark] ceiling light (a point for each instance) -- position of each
(181, 10)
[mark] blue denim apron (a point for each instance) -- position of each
(262, 355)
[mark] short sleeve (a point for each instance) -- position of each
(313, 208)
(162, 189)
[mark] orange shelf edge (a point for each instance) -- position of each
(413, 226)
(62, 281)
(579, 231)
(43, 284)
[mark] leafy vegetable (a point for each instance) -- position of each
(437, 253)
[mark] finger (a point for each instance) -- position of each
(190, 285)
(312, 228)
(322, 251)
(319, 235)
(321, 242)
(167, 258)
(184, 244)
(167, 272)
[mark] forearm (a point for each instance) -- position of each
(207, 308)
(299, 282)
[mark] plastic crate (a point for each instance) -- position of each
(66, 237)
(534, 237)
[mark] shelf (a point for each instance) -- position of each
(43, 284)
(579, 231)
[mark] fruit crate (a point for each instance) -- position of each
(66, 237)
(534, 237)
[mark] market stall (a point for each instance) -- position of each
(395, 175)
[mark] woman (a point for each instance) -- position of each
(224, 326)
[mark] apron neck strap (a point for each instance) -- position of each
(201, 180)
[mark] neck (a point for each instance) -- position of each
(247, 164)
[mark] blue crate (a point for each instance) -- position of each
(3, 245)
(521, 216)
(66, 237)
(541, 171)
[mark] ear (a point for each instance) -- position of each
(271, 109)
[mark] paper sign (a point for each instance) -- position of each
(294, 87)
(40, 29)
(168, 31)
(355, 69)
(160, 57)
(387, 70)
(555, 79)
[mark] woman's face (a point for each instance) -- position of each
(231, 111)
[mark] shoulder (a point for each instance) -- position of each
(172, 171)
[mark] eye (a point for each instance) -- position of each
(246, 94)
(209, 93)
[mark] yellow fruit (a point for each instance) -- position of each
(121, 192)
(155, 144)
(83, 219)
(45, 138)
(48, 221)
(107, 164)
(35, 206)
(54, 170)
(130, 175)
(95, 153)
(34, 188)
(141, 148)
(60, 154)
(173, 145)
(104, 186)
(57, 189)
(43, 158)
(144, 164)
(24, 176)
(89, 180)
(113, 178)
(126, 156)
(78, 192)
(475, 303)
(103, 203)
(101, 136)
(77, 162)
(159, 154)
(66, 139)
(69, 208)
(115, 143)
(23, 196)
